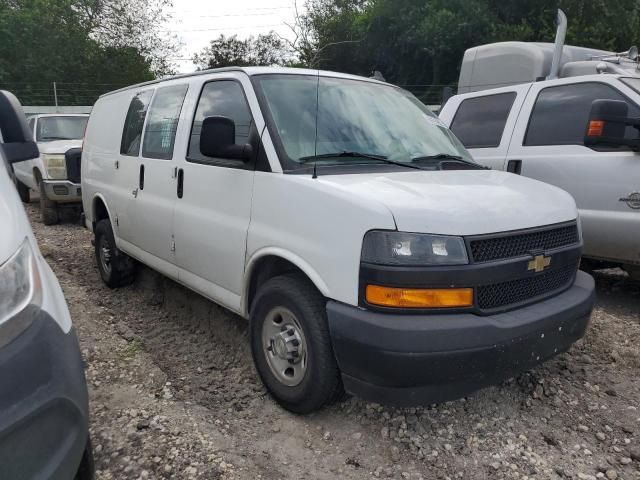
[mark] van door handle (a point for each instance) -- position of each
(514, 166)
(180, 182)
(141, 178)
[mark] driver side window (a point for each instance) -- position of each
(222, 98)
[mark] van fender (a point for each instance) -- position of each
(306, 268)
(99, 196)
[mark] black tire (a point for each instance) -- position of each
(87, 468)
(23, 191)
(48, 208)
(321, 384)
(116, 267)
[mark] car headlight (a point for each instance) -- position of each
(20, 292)
(413, 249)
(55, 165)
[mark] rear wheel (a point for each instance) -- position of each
(116, 268)
(48, 208)
(23, 191)
(291, 345)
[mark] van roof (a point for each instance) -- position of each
(252, 71)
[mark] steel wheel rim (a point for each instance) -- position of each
(104, 253)
(284, 346)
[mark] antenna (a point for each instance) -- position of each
(315, 142)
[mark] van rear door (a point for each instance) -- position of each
(484, 121)
(549, 140)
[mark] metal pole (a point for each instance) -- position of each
(55, 95)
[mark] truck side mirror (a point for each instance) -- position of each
(218, 140)
(17, 142)
(608, 121)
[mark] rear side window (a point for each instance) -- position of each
(560, 114)
(223, 98)
(162, 122)
(479, 122)
(133, 124)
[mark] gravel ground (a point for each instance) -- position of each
(174, 395)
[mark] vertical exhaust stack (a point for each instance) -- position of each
(561, 33)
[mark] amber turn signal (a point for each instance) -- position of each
(419, 297)
(596, 128)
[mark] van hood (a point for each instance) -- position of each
(58, 146)
(461, 202)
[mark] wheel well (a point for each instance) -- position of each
(267, 268)
(100, 211)
(37, 175)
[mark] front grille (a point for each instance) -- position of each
(519, 244)
(489, 297)
(73, 160)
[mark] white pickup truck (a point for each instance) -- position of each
(535, 125)
(55, 174)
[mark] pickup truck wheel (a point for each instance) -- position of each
(48, 208)
(116, 268)
(291, 345)
(23, 192)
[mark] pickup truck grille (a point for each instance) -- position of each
(72, 159)
(489, 297)
(501, 247)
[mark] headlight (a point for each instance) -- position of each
(412, 249)
(20, 289)
(55, 165)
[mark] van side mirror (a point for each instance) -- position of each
(608, 121)
(17, 141)
(218, 140)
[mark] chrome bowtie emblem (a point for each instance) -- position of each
(539, 263)
(632, 200)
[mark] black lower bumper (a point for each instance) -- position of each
(43, 404)
(407, 360)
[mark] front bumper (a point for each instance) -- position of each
(43, 403)
(62, 191)
(408, 360)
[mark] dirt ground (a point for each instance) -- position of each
(174, 395)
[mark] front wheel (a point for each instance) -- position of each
(291, 345)
(116, 267)
(48, 208)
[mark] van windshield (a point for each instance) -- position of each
(60, 128)
(353, 116)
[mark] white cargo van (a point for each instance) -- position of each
(55, 173)
(521, 111)
(44, 407)
(339, 216)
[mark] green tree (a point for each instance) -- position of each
(263, 50)
(65, 41)
(419, 42)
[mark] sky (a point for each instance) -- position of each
(196, 22)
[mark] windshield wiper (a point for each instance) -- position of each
(346, 153)
(446, 156)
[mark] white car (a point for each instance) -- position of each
(341, 218)
(44, 407)
(55, 174)
(535, 125)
